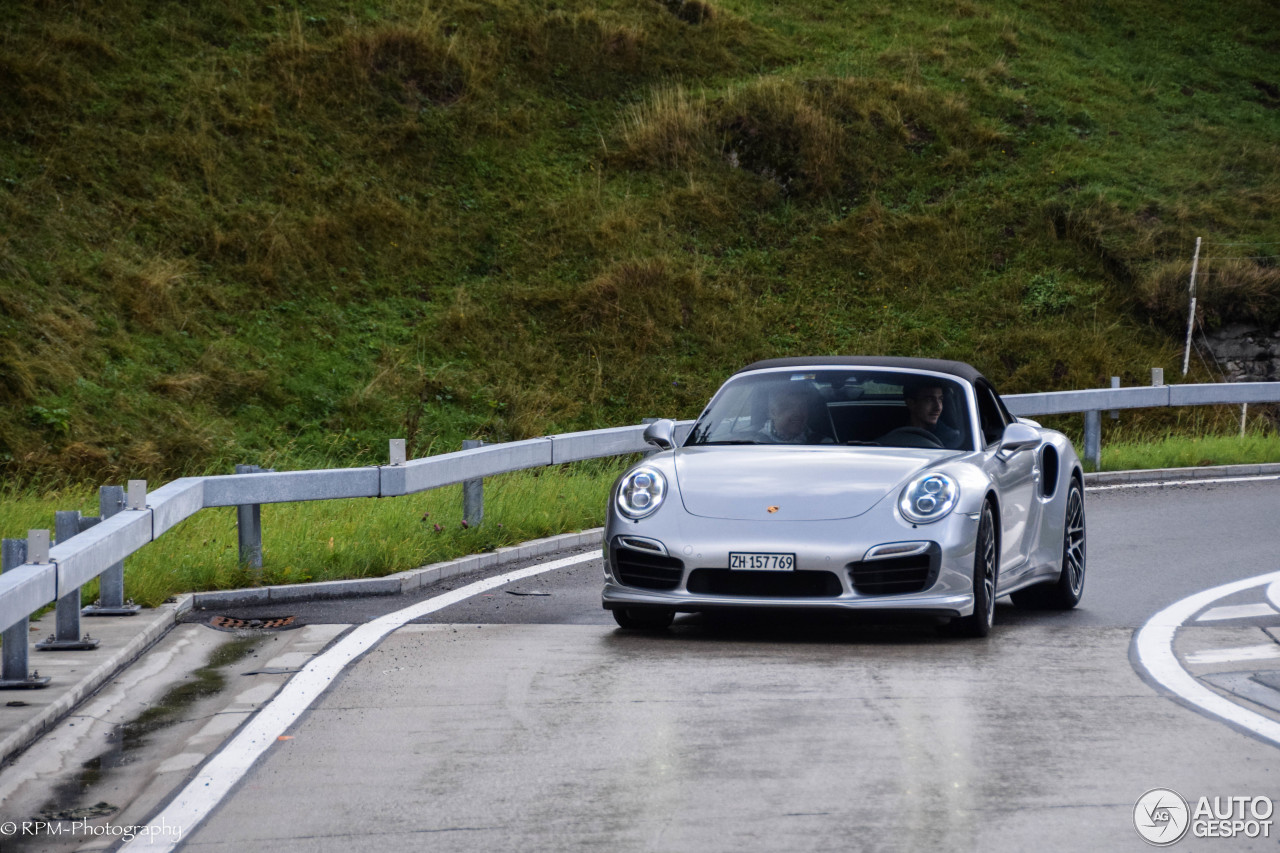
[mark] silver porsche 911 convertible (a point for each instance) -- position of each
(848, 483)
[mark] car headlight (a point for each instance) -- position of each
(641, 492)
(929, 497)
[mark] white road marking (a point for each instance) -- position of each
(1153, 648)
(1241, 653)
(194, 803)
(1237, 611)
(1160, 483)
(1273, 595)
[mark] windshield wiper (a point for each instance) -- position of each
(726, 441)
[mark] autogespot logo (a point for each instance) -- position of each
(1161, 817)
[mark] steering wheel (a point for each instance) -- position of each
(910, 436)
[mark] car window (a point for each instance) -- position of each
(991, 415)
(728, 419)
(837, 406)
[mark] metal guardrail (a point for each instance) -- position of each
(42, 579)
(70, 564)
(1142, 397)
(1093, 401)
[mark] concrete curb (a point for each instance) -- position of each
(1208, 472)
(162, 619)
(398, 583)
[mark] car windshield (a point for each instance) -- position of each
(883, 408)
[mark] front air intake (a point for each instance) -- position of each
(896, 575)
(646, 569)
(796, 584)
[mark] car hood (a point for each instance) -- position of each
(799, 483)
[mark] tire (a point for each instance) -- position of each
(986, 563)
(1065, 592)
(643, 618)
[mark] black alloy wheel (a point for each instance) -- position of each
(986, 557)
(1065, 592)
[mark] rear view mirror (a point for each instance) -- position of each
(661, 434)
(1017, 438)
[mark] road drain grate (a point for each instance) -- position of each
(264, 623)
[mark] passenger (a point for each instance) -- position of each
(924, 409)
(789, 418)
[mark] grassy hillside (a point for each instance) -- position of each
(233, 231)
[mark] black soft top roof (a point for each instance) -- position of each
(937, 365)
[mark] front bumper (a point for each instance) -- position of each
(616, 595)
(688, 566)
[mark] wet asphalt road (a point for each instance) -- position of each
(530, 722)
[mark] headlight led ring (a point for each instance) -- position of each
(641, 492)
(928, 498)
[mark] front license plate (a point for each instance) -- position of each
(763, 562)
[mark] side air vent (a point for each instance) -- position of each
(1048, 471)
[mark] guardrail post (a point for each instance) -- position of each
(111, 500)
(249, 526)
(68, 523)
(396, 451)
(137, 495)
(1093, 438)
(13, 657)
(472, 492)
(1157, 376)
(1115, 383)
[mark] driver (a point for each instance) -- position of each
(924, 408)
(789, 418)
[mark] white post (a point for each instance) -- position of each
(1191, 315)
(1244, 417)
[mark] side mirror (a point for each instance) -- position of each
(1017, 438)
(661, 434)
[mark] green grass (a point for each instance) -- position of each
(1176, 451)
(284, 233)
(341, 539)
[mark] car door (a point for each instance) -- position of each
(1016, 478)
